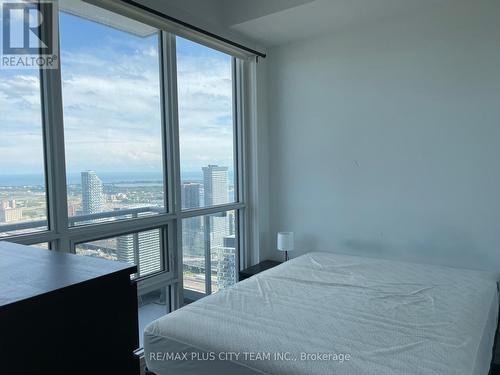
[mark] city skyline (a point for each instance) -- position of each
(91, 195)
(144, 248)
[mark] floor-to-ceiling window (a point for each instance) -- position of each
(23, 193)
(130, 152)
(207, 166)
(112, 118)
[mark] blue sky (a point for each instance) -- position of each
(112, 107)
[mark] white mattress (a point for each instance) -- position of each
(390, 317)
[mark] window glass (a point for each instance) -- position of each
(112, 117)
(23, 200)
(142, 249)
(206, 129)
(214, 236)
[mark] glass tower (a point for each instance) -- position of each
(215, 181)
(92, 193)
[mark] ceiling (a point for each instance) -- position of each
(274, 22)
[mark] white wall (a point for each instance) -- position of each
(385, 139)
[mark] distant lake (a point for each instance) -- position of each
(136, 178)
(21, 180)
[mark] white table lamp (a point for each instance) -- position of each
(285, 242)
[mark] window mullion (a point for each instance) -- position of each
(208, 258)
(135, 239)
(171, 138)
(237, 136)
(162, 48)
(172, 155)
(54, 151)
(241, 160)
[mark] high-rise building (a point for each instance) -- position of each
(147, 256)
(216, 186)
(193, 236)
(191, 228)
(226, 262)
(125, 249)
(72, 210)
(231, 222)
(218, 229)
(190, 195)
(9, 212)
(92, 193)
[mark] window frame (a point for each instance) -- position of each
(63, 237)
(192, 295)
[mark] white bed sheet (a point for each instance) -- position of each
(391, 317)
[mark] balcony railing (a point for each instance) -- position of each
(133, 212)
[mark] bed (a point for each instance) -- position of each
(325, 313)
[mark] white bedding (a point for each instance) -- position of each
(390, 317)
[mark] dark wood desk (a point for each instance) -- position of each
(66, 314)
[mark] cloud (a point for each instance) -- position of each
(21, 144)
(205, 111)
(112, 113)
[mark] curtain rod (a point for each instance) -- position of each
(193, 27)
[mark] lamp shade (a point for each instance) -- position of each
(285, 241)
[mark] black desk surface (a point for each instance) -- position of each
(27, 272)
